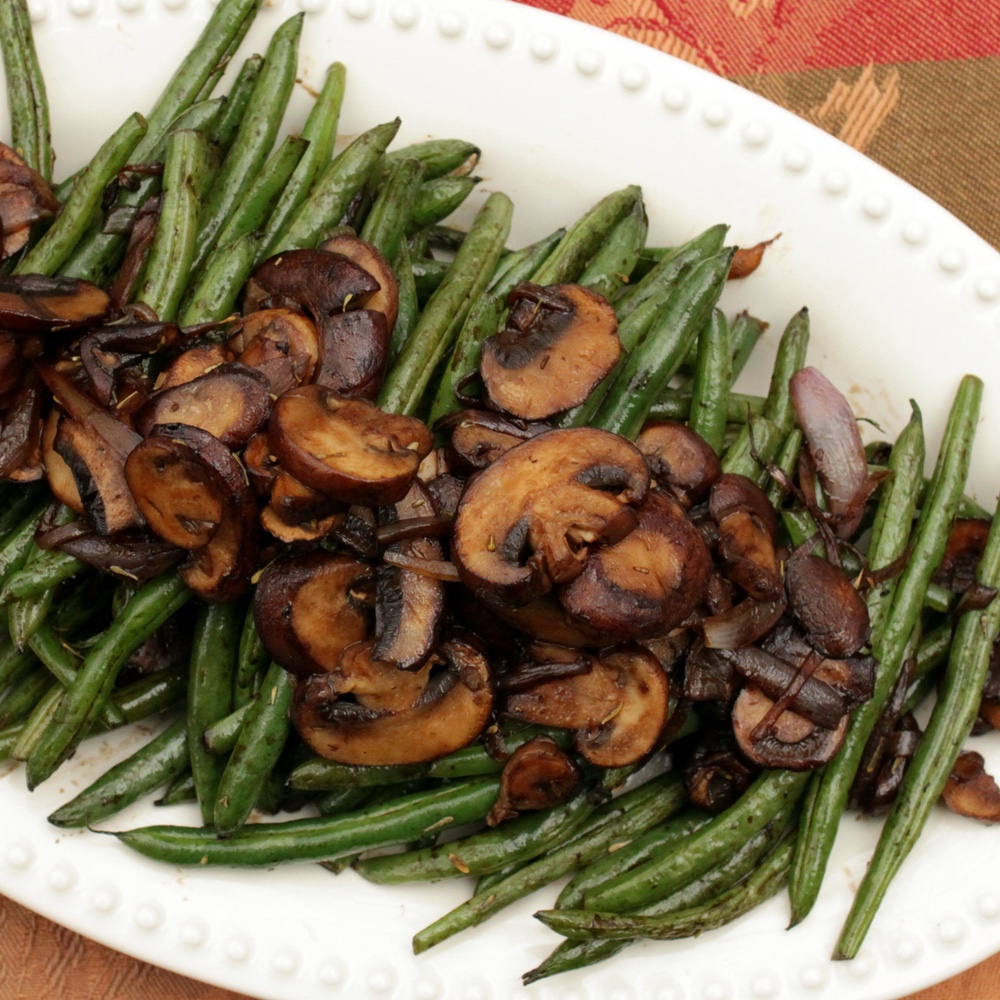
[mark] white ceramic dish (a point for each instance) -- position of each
(903, 299)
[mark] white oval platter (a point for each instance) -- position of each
(903, 299)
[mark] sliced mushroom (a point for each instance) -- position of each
(104, 351)
(748, 527)
(970, 790)
(717, 774)
(191, 364)
(25, 198)
(346, 448)
(646, 584)
(282, 344)
(353, 352)
(409, 606)
(966, 541)
(479, 437)
(21, 432)
(539, 774)
(451, 711)
(792, 742)
(297, 513)
(309, 607)
(195, 494)
(618, 707)
(826, 605)
(680, 460)
(231, 402)
(34, 303)
(57, 473)
(261, 464)
(386, 299)
(528, 521)
(558, 343)
(132, 554)
(318, 281)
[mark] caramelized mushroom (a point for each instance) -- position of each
(34, 303)
(680, 460)
(106, 350)
(386, 299)
(282, 344)
(539, 774)
(191, 364)
(647, 583)
(298, 513)
(618, 704)
(25, 197)
(231, 402)
(826, 605)
(527, 522)
(353, 352)
(309, 607)
(479, 437)
(970, 791)
(346, 448)
(449, 712)
(558, 343)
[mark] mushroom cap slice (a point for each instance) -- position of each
(34, 303)
(309, 607)
(539, 774)
(354, 350)
(558, 343)
(527, 522)
(231, 402)
(25, 197)
(680, 460)
(282, 344)
(386, 299)
(619, 707)
(296, 512)
(318, 281)
(346, 448)
(646, 584)
(451, 711)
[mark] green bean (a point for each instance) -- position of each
(320, 131)
(439, 156)
(37, 721)
(84, 204)
(14, 664)
(152, 766)
(220, 737)
(665, 275)
(766, 881)
(428, 273)
(251, 660)
(649, 368)
(180, 791)
(42, 573)
(152, 605)
(20, 698)
(18, 544)
(333, 191)
(325, 838)
(436, 198)
(261, 740)
(585, 237)
(790, 357)
(770, 793)
(25, 501)
(787, 460)
(409, 306)
(257, 202)
(520, 839)
(757, 442)
(210, 692)
(386, 224)
(30, 132)
(712, 382)
(889, 642)
(609, 269)
(745, 331)
(172, 255)
(675, 404)
(224, 129)
(484, 320)
(149, 695)
(215, 295)
(625, 816)
(26, 615)
(256, 134)
(947, 729)
(443, 316)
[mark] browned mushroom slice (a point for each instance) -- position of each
(539, 774)
(221, 571)
(192, 363)
(680, 460)
(311, 606)
(558, 343)
(966, 541)
(450, 712)
(527, 522)
(261, 464)
(21, 431)
(58, 474)
(297, 513)
(318, 281)
(792, 742)
(618, 708)
(479, 437)
(12, 363)
(717, 773)
(970, 790)
(354, 350)
(346, 448)
(231, 402)
(646, 584)
(106, 350)
(748, 527)
(826, 605)
(409, 605)
(34, 303)
(133, 554)
(386, 299)
(25, 197)
(545, 619)
(282, 344)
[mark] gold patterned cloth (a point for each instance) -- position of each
(914, 84)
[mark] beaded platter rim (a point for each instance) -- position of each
(843, 220)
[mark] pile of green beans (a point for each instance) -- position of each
(640, 863)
